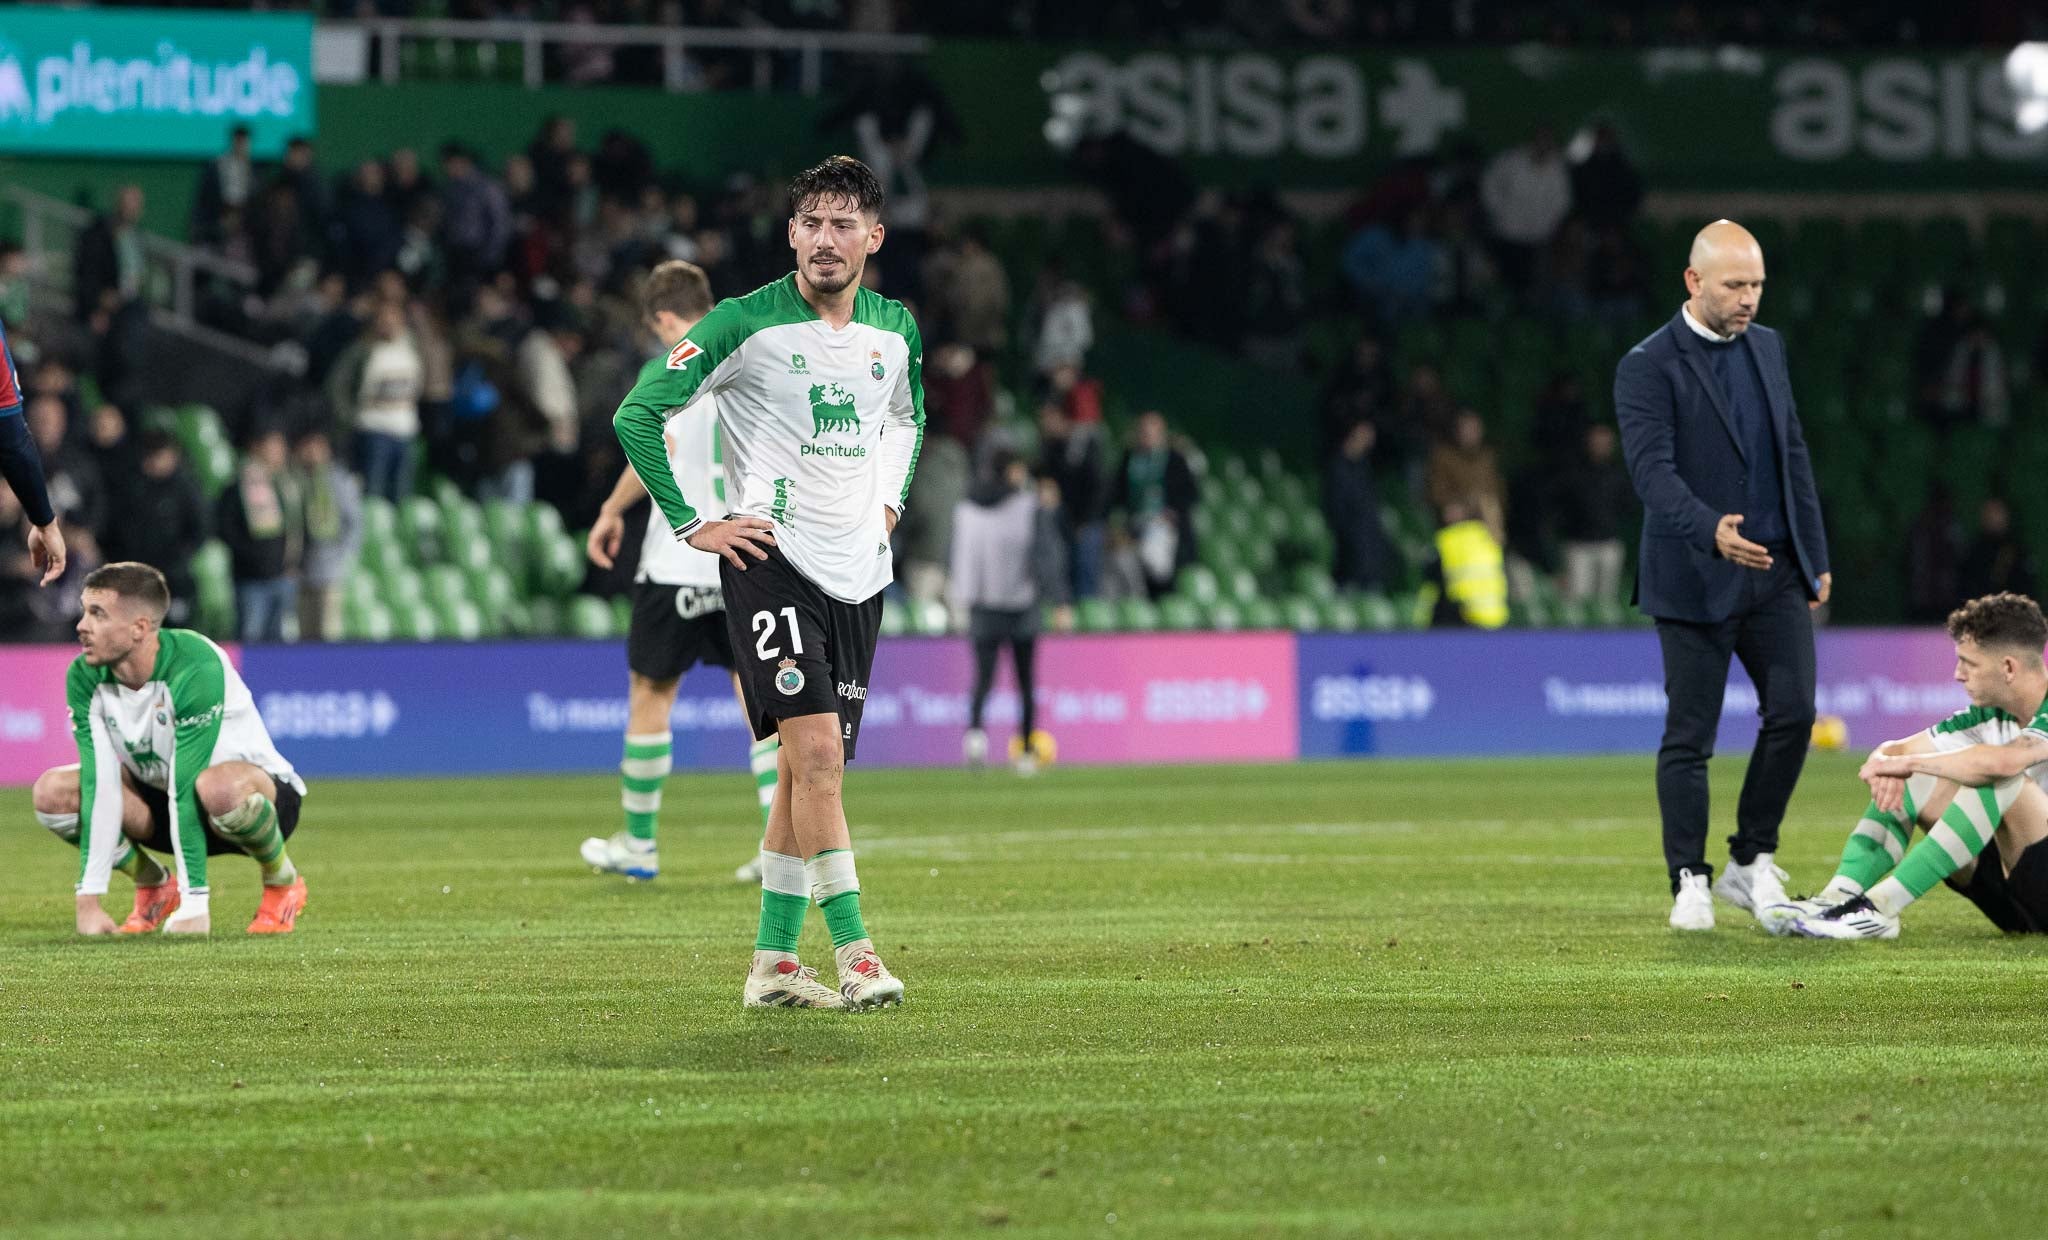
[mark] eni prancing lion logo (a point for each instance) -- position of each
(832, 409)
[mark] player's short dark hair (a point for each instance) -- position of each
(678, 287)
(132, 580)
(840, 177)
(2008, 621)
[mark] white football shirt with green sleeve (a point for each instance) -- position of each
(193, 712)
(820, 427)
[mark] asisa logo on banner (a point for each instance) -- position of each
(149, 82)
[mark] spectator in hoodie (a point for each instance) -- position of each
(1007, 563)
(160, 519)
(261, 520)
(334, 531)
(374, 390)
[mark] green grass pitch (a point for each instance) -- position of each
(1359, 999)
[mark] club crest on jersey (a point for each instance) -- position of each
(680, 356)
(875, 363)
(797, 364)
(789, 678)
(832, 409)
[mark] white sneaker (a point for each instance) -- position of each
(1694, 907)
(750, 873)
(1755, 886)
(1778, 917)
(622, 854)
(974, 748)
(781, 980)
(1856, 918)
(864, 981)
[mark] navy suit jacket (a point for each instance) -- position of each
(1684, 454)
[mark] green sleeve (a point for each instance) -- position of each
(198, 701)
(913, 376)
(1965, 719)
(686, 373)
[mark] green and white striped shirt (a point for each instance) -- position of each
(820, 427)
(193, 712)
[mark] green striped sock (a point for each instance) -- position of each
(783, 903)
(836, 888)
(1965, 828)
(252, 826)
(1876, 845)
(128, 859)
(764, 757)
(641, 774)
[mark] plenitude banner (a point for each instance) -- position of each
(1692, 118)
(166, 83)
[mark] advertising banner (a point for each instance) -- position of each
(1433, 694)
(1962, 119)
(561, 706)
(152, 82)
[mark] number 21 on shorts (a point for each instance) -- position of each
(763, 625)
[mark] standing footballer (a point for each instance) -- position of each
(821, 406)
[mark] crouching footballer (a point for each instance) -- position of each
(172, 757)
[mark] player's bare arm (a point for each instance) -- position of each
(602, 544)
(1975, 766)
(1889, 790)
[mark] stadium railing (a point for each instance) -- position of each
(342, 48)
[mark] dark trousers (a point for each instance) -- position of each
(992, 630)
(1773, 636)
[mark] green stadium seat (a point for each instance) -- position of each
(1301, 614)
(1340, 614)
(505, 526)
(622, 615)
(367, 620)
(544, 617)
(445, 587)
(1262, 613)
(1377, 612)
(419, 522)
(1137, 615)
(558, 569)
(894, 622)
(460, 620)
(587, 617)
(1199, 584)
(358, 590)
(1222, 616)
(495, 595)
(1241, 587)
(1223, 556)
(1094, 615)
(403, 589)
(543, 522)
(380, 520)
(414, 624)
(1312, 581)
(1179, 614)
(515, 621)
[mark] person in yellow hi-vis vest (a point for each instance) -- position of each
(1475, 578)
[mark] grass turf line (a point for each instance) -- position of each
(1349, 999)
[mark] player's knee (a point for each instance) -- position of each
(813, 758)
(56, 791)
(221, 789)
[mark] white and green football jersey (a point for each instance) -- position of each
(193, 712)
(691, 441)
(1988, 725)
(820, 428)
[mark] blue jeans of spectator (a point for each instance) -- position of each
(514, 484)
(385, 462)
(1089, 543)
(261, 607)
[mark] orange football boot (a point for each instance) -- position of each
(280, 908)
(152, 905)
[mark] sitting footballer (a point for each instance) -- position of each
(172, 758)
(1973, 782)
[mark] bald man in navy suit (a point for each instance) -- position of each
(1733, 560)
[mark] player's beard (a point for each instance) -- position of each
(837, 277)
